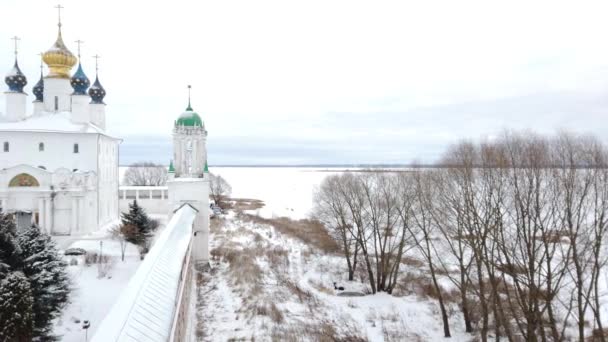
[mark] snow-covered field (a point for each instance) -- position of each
(265, 285)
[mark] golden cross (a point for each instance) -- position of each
(59, 7)
(16, 39)
(79, 42)
(97, 57)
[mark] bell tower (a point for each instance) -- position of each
(188, 178)
(189, 144)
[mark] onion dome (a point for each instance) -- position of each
(80, 82)
(38, 89)
(15, 79)
(59, 59)
(97, 92)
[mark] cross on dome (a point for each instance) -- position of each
(15, 79)
(16, 39)
(59, 7)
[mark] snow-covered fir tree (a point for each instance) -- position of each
(34, 286)
(137, 217)
(46, 272)
(9, 249)
(16, 308)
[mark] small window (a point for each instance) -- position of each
(41, 167)
(56, 103)
(41, 147)
(75, 148)
(6, 146)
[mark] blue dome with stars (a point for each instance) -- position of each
(38, 89)
(15, 79)
(80, 82)
(97, 92)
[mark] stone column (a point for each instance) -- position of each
(48, 213)
(81, 213)
(74, 215)
(41, 223)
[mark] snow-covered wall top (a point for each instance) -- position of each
(145, 310)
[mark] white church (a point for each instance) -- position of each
(58, 166)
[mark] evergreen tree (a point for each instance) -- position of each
(16, 308)
(137, 217)
(48, 278)
(9, 249)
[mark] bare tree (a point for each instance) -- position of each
(423, 231)
(123, 233)
(145, 174)
(331, 210)
(219, 189)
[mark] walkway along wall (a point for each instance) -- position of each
(156, 297)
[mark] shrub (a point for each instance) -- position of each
(75, 251)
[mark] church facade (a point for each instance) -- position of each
(58, 166)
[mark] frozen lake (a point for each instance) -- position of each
(286, 191)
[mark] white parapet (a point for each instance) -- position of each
(148, 307)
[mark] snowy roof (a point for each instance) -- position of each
(50, 122)
(145, 309)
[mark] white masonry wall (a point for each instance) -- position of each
(58, 150)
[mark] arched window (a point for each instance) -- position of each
(6, 146)
(41, 146)
(75, 148)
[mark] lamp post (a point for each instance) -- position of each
(85, 326)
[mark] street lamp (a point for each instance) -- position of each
(85, 325)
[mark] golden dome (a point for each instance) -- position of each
(59, 59)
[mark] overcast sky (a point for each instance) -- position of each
(317, 82)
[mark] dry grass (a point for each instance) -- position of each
(422, 286)
(272, 311)
(311, 232)
(278, 258)
(407, 260)
(324, 331)
(240, 204)
(321, 288)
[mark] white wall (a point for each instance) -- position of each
(152, 198)
(107, 171)
(58, 150)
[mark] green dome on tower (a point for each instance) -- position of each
(189, 118)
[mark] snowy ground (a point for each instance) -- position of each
(265, 285)
(95, 287)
